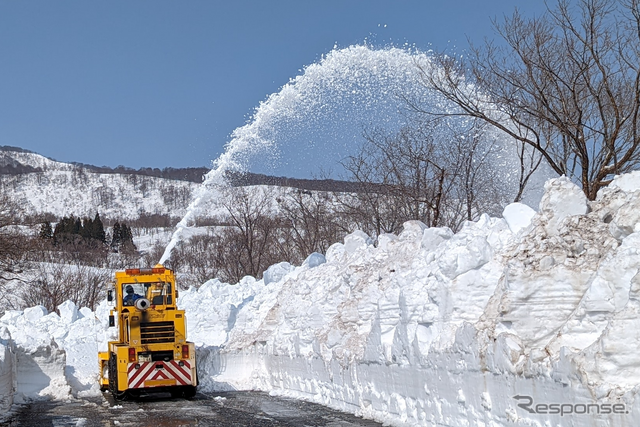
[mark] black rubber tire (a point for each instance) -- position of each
(189, 392)
(113, 379)
(121, 395)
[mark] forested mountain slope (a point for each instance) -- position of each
(43, 186)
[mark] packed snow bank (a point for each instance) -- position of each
(47, 355)
(530, 319)
(8, 379)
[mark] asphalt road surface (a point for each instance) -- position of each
(216, 409)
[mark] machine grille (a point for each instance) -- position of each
(157, 332)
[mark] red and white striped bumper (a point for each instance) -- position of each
(159, 374)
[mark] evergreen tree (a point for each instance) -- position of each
(86, 228)
(64, 228)
(116, 238)
(127, 236)
(46, 232)
(98, 229)
(127, 239)
(77, 226)
(122, 239)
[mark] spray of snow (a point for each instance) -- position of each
(317, 119)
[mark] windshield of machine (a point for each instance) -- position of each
(158, 293)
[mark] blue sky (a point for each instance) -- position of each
(155, 83)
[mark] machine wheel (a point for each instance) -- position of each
(189, 392)
(121, 395)
(113, 379)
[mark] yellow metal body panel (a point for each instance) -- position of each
(103, 360)
(159, 383)
(122, 357)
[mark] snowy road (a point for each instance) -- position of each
(220, 409)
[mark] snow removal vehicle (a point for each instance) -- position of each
(151, 353)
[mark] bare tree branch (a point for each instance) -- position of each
(567, 84)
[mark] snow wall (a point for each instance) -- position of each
(530, 319)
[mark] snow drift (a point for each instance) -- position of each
(529, 319)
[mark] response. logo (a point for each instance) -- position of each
(552, 408)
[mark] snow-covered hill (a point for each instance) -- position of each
(530, 319)
(64, 189)
(17, 158)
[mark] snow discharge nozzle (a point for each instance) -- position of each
(142, 304)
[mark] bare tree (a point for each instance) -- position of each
(373, 209)
(437, 172)
(401, 178)
(13, 245)
(566, 84)
(52, 284)
(311, 222)
(198, 259)
(14, 252)
(478, 183)
(250, 239)
(262, 226)
(151, 256)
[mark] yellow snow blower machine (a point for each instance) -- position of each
(152, 353)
